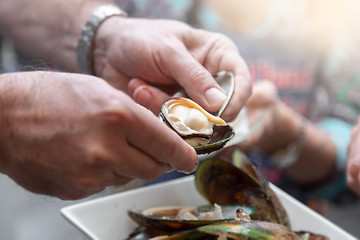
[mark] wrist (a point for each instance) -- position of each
(103, 41)
(283, 130)
(86, 42)
(77, 15)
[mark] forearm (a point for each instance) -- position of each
(316, 159)
(317, 154)
(49, 30)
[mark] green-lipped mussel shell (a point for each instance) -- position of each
(225, 184)
(168, 224)
(238, 230)
(258, 230)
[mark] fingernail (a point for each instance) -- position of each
(193, 169)
(215, 97)
(143, 97)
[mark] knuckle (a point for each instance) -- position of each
(221, 41)
(199, 78)
(98, 155)
(117, 113)
(114, 109)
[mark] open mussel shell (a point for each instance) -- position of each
(202, 130)
(163, 219)
(224, 183)
(222, 134)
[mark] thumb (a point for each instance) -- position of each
(197, 81)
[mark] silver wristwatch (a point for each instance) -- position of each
(85, 43)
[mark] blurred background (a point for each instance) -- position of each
(309, 44)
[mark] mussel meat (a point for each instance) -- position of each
(202, 130)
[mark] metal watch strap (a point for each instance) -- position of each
(85, 43)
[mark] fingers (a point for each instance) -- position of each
(149, 97)
(128, 142)
(141, 166)
(151, 136)
(221, 54)
(264, 94)
(197, 81)
(119, 143)
(241, 94)
(243, 85)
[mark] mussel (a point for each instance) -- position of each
(234, 183)
(202, 130)
(177, 218)
(239, 182)
(203, 142)
(241, 227)
(244, 228)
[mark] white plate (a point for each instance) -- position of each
(106, 218)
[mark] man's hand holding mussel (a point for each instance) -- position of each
(70, 135)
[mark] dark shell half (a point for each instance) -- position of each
(223, 183)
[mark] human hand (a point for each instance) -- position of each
(155, 58)
(353, 163)
(280, 124)
(262, 104)
(71, 135)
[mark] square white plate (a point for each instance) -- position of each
(106, 218)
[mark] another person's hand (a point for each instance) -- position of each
(71, 135)
(282, 127)
(280, 124)
(262, 106)
(353, 164)
(154, 58)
